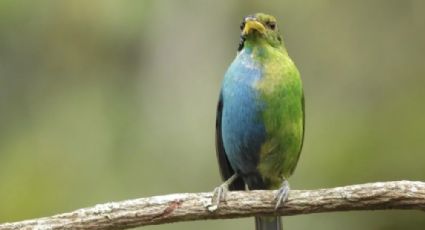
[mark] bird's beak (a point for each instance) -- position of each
(251, 25)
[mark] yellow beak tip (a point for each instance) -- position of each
(252, 25)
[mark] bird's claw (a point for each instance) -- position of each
(219, 194)
(282, 194)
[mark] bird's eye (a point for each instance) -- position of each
(271, 25)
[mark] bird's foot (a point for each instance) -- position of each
(219, 193)
(282, 194)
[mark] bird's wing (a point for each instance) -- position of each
(303, 130)
(303, 110)
(226, 170)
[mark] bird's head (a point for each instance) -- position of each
(260, 27)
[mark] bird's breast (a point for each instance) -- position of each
(243, 130)
(262, 119)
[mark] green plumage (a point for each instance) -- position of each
(280, 89)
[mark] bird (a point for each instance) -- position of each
(260, 116)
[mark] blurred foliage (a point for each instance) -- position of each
(111, 100)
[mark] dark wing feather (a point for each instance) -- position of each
(303, 108)
(226, 170)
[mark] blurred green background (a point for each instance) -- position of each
(110, 100)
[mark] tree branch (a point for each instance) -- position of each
(195, 206)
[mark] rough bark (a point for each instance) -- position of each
(197, 206)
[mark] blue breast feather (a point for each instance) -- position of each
(243, 131)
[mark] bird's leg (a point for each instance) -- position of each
(282, 194)
(219, 192)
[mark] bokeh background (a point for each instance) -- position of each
(111, 100)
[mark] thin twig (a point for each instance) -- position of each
(194, 206)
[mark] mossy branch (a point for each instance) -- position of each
(194, 206)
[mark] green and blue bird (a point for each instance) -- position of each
(260, 115)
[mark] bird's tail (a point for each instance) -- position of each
(268, 223)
